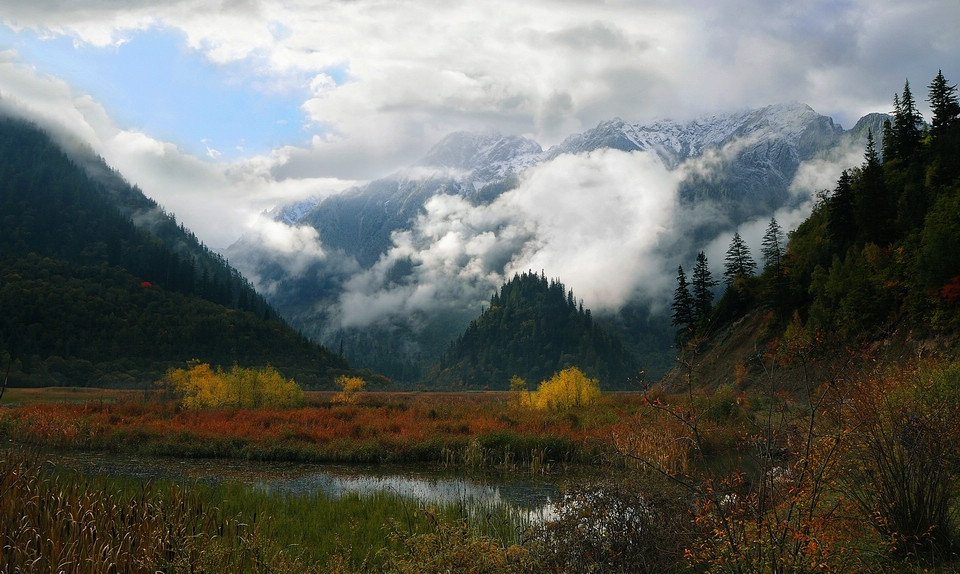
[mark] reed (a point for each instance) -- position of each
(61, 521)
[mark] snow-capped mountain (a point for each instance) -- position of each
(483, 158)
(797, 125)
(730, 169)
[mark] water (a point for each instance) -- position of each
(533, 498)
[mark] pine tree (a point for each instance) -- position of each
(738, 262)
(943, 104)
(772, 247)
(682, 302)
(875, 207)
(906, 124)
(890, 146)
(703, 284)
(841, 221)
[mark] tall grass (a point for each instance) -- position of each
(472, 431)
(61, 521)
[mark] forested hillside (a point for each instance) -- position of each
(98, 285)
(879, 254)
(533, 328)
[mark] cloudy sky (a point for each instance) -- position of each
(221, 109)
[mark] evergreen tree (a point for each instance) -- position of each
(906, 124)
(703, 284)
(682, 302)
(890, 134)
(841, 222)
(875, 207)
(943, 104)
(772, 247)
(738, 262)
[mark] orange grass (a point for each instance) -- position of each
(477, 429)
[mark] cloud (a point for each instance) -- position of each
(383, 82)
(593, 220)
(217, 200)
(380, 83)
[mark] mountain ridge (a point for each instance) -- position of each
(99, 286)
(742, 163)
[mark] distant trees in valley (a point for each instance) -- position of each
(534, 327)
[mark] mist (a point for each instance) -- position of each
(609, 224)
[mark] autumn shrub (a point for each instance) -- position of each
(904, 454)
(246, 388)
(616, 525)
(450, 546)
(351, 389)
(567, 389)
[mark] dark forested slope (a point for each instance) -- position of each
(877, 260)
(89, 297)
(533, 328)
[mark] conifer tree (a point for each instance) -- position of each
(841, 222)
(772, 247)
(738, 262)
(682, 302)
(890, 134)
(943, 104)
(703, 284)
(875, 207)
(906, 124)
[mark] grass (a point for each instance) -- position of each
(467, 430)
(18, 397)
(57, 520)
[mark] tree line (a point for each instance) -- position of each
(534, 327)
(882, 246)
(99, 285)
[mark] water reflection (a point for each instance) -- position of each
(534, 498)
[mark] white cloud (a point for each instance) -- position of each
(388, 79)
(216, 200)
(384, 81)
(594, 220)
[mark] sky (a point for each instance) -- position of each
(222, 110)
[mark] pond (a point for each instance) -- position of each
(534, 498)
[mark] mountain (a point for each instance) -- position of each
(870, 279)
(532, 329)
(99, 286)
(731, 169)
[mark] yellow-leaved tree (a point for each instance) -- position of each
(351, 388)
(245, 388)
(567, 389)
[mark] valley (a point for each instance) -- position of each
(797, 412)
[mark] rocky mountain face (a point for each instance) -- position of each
(742, 164)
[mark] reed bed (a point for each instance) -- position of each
(54, 520)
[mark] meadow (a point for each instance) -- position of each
(469, 430)
(847, 468)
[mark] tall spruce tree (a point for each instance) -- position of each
(682, 307)
(738, 262)
(703, 284)
(841, 221)
(772, 251)
(874, 204)
(943, 105)
(889, 142)
(906, 124)
(772, 247)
